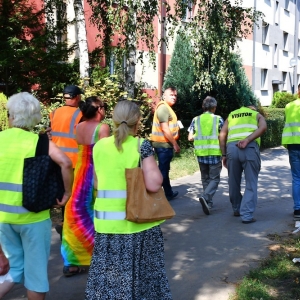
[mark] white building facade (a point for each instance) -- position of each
(271, 55)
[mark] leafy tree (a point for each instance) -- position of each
(32, 55)
(214, 30)
(180, 74)
(234, 96)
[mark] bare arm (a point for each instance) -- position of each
(191, 136)
(152, 175)
(168, 135)
(222, 141)
(104, 131)
(4, 263)
(65, 164)
(262, 127)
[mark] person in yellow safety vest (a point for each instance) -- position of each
(239, 143)
(63, 122)
(204, 131)
(164, 136)
(25, 237)
(128, 258)
(291, 140)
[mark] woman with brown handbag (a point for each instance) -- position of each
(128, 258)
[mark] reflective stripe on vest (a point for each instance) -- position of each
(291, 130)
(157, 134)
(110, 215)
(65, 149)
(242, 123)
(111, 194)
(13, 187)
(69, 134)
(206, 140)
(13, 209)
(214, 135)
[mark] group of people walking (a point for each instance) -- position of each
(125, 259)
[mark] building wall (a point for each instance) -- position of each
(269, 55)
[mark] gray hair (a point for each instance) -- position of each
(24, 110)
(209, 103)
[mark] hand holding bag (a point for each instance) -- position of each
(143, 206)
(42, 179)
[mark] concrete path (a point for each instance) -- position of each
(205, 255)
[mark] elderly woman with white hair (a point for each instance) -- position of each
(25, 236)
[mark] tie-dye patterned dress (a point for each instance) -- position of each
(78, 228)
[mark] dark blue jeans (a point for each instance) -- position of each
(165, 156)
(294, 157)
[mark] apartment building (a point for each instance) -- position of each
(271, 54)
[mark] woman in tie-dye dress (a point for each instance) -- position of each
(78, 228)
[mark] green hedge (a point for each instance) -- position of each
(275, 122)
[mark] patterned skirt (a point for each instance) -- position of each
(128, 267)
(78, 228)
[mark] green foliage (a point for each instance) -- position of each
(180, 74)
(3, 112)
(214, 31)
(33, 54)
(275, 123)
(231, 97)
(281, 99)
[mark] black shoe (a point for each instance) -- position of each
(249, 221)
(174, 195)
(297, 214)
(204, 205)
(236, 214)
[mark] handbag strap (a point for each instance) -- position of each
(42, 146)
(139, 150)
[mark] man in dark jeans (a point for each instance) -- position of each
(165, 133)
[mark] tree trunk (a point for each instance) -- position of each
(82, 41)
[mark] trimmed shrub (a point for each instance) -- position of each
(281, 99)
(275, 122)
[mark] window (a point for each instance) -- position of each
(285, 41)
(265, 31)
(187, 10)
(276, 17)
(284, 76)
(264, 77)
(112, 62)
(286, 4)
(275, 56)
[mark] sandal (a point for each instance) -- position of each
(68, 273)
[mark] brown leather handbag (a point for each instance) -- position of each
(143, 206)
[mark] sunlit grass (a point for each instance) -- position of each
(183, 164)
(277, 278)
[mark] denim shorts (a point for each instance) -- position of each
(27, 248)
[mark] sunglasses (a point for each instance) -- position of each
(101, 106)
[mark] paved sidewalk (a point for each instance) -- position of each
(205, 255)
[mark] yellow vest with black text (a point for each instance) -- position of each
(157, 134)
(206, 137)
(16, 144)
(110, 203)
(291, 130)
(63, 124)
(241, 123)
